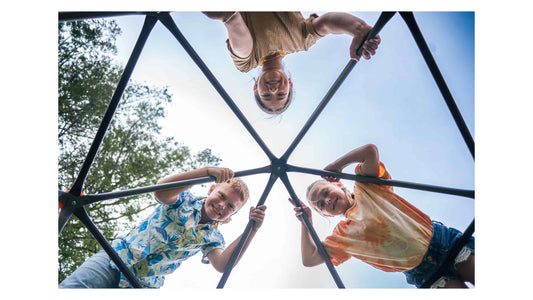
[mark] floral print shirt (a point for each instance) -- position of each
(170, 235)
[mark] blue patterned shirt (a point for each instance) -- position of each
(166, 238)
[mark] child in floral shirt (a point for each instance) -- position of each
(180, 227)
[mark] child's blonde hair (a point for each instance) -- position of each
(313, 202)
(240, 187)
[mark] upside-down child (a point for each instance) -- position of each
(264, 38)
(381, 228)
(181, 226)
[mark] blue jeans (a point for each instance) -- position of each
(441, 243)
(93, 273)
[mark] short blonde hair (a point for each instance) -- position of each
(239, 186)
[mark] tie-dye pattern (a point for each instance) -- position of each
(166, 238)
(381, 229)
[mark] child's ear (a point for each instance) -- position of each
(211, 189)
(255, 86)
(290, 82)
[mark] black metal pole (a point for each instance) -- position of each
(82, 15)
(81, 213)
(64, 214)
(459, 244)
(432, 65)
(78, 184)
(383, 19)
(245, 235)
(312, 232)
(171, 26)
(87, 199)
(411, 185)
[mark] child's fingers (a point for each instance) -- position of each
(258, 211)
(258, 215)
(293, 203)
(227, 174)
(223, 175)
(261, 207)
(330, 178)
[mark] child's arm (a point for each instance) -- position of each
(239, 36)
(219, 258)
(367, 156)
(310, 255)
(171, 196)
(339, 23)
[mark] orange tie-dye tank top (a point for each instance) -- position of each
(382, 229)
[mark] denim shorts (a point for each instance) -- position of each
(441, 243)
(93, 273)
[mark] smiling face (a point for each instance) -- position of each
(221, 203)
(273, 89)
(329, 199)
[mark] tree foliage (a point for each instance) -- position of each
(133, 153)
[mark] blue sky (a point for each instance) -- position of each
(502, 133)
(391, 101)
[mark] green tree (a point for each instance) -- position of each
(133, 153)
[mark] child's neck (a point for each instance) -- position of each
(204, 219)
(273, 63)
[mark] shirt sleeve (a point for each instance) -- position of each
(213, 240)
(335, 246)
(181, 199)
(382, 174)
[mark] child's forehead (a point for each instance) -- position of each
(226, 188)
(318, 187)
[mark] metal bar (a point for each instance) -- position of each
(169, 23)
(309, 226)
(244, 237)
(432, 65)
(78, 184)
(88, 199)
(411, 185)
(65, 16)
(459, 244)
(81, 213)
(383, 19)
(64, 214)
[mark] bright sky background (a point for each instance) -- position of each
(391, 101)
(404, 115)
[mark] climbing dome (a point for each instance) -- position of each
(279, 168)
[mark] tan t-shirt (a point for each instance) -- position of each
(274, 32)
(381, 229)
